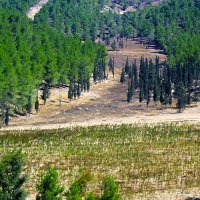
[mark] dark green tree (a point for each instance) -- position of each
(78, 189)
(123, 77)
(127, 67)
(29, 105)
(7, 116)
(45, 93)
(11, 178)
(37, 105)
(114, 45)
(110, 189)
(49, 188)
(181, 96)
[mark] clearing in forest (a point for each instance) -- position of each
(106, 102)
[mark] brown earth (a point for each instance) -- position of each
(106, 102)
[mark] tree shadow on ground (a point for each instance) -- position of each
(192, 198)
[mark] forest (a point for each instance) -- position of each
(34, 56)
(19, 5)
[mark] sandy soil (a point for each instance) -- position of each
(106, 102)
(36, 8)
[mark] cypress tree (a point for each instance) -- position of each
(113, 67)
(7, 116)
(141, 80)
(70, 91)
(78, 91)
(129, 92)
(45, 93)
(148, 98)
(37, 105)
(135, 74)
(156, 90)
(127, 66)
(146, 76)
(29, 105)
(151, 74)
(162, 99)
(95, 73)
(123, 78)
(180, 96)
(88, 84)
(110, 64)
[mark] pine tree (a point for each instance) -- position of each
(114, 45)
(11, 178)
(111, 190)
(78, 188)
(49, 188)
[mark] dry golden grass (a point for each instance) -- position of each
(143, 158)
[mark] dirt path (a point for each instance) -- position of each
(36, 8)
(105, 103)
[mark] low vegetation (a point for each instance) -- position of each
(141, 157)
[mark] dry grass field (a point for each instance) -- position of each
(148, 161)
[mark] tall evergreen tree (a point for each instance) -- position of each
(181, 96)
(29, 105)
(123, 77)
(46, 93)
(135, 74)
(37, 105)
(7, 116)
(127, 67)
(113, 67)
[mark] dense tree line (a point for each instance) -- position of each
(34, 56)
(18, 5)
(159, 82)
(12, 183)
(172, 25)
(85, 18)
